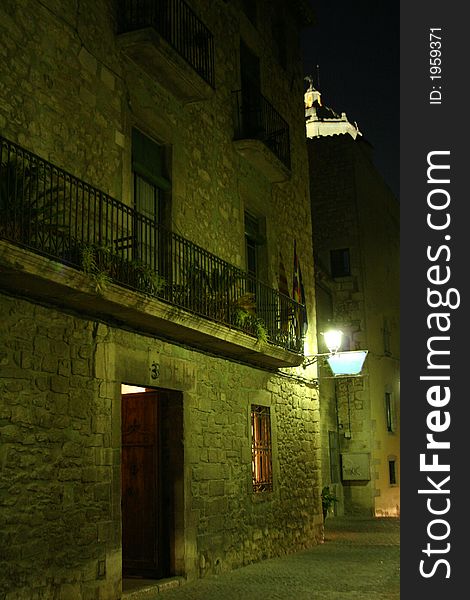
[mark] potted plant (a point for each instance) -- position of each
(328, 499)
(31, 210)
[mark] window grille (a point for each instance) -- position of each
(262, 470)
(389, 411)
(392, 472)
(386, 338)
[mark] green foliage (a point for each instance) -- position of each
(261, 331)
(103, 266)
(328, 499)
(29, 203)
(209, 292)
(244, 317)
(96, 262)
(89, 264)
(219, 295)
(148, 281)
(243, 311)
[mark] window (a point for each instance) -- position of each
(280, 40)
(250, 79)
(340, 264)
(389, 411)
(261, 461)
(150, 187)
(386, 337)
(392, 472)
(255, 246)
(251, 243)
(249, 8)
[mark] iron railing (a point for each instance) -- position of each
(53, 213)
(256, 118)
(175, 21)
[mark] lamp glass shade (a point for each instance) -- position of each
(347, 363)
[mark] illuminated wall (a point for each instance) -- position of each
(72, 95)
(353, 210)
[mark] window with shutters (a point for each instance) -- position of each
(151, 188)
(251, 103)
(386, 337)
(255, 246)
(340, 263)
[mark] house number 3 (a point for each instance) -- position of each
(155, 370)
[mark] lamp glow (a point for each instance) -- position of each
(333, 340)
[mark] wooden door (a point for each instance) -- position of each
(141, 506)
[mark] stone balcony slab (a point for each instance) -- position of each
(38, 278)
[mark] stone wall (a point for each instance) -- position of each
(68, 94)
(60, 455)
(59, 469)
(379, 223)
(353, 208)
(72, 97)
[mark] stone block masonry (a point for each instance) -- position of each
(60, 488)
(69, 93)
(59, 533)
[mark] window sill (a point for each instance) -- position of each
(258, 497)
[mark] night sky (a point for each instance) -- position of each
(356, 45)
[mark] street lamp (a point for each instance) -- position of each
(342, 364)
(333, 339)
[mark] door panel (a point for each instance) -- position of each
(140, 485)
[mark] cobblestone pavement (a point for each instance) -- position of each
(359, 560)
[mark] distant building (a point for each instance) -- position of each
(154, 417)
(355, 221)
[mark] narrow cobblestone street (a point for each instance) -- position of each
(360, 560)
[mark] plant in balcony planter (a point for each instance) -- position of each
(95, 262)
(328, 499)
(148, 281)
(30, 205)
(243, 311)
(261, 331)
(208, 290)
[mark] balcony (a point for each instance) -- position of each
(168, 41)
(262, 135)
(67, 243)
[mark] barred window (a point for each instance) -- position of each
(386, 337)
(261, 462)
(392, 475)
(389, 411)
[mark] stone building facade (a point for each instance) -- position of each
(154, 417)
(356, 244)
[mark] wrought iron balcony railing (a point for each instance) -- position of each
(52, 213)
(175, 21)
(256, 118)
